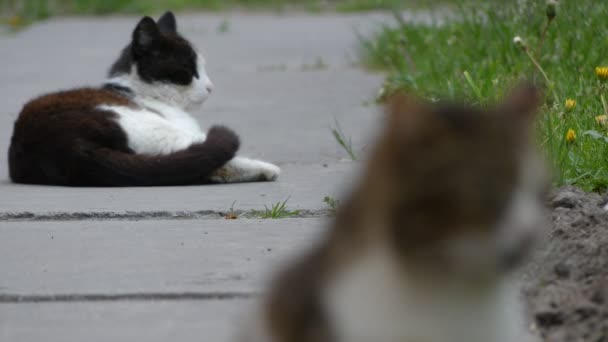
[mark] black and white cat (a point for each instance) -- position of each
(135, 130)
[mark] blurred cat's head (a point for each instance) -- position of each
(159, 63)
(461, 188)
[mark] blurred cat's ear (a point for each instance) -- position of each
(167, 22)
(145, 35)
(398, 108)
(407, 116)
(522, 102)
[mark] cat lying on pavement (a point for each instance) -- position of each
(135, 130)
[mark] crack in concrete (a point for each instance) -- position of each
(140, 297)
(148, 215)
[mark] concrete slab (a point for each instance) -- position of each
(208, 321)
(304, 186)
(162, 321)
(145, 259)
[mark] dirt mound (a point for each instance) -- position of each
(566, 285)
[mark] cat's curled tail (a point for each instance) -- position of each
(89, 163)
(192, 165)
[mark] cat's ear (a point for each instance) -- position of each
(407, 116)
(522, 102)
(167, 23)
(145, 35)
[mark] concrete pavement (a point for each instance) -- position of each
(122, 321)
(96, 258)
(145, 280)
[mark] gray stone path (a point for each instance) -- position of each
(212, 256)
(122, 321)
(123, 264)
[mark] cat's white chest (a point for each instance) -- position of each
(372, 301)
(156, 128)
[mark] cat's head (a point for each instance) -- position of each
(159, 63)
(461, 188)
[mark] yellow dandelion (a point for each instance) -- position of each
(602, 120)
(15, 21)
(602, 73)
(571, 135)
(570, 104)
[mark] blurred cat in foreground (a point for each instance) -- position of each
(450, 202)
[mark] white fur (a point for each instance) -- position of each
(157, 133)
(525, 213)
(476, 254)
(161, 123)
(521, 221)
(374, 300)
(241, 169)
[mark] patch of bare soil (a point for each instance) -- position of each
(566, 286)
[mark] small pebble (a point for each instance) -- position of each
(549, 319)
(566, 199)
(561, 270)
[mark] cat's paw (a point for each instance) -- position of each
(224, 138)
(270, 172)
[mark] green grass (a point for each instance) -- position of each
(276, 211)
(366, 5)
(343, 141)
(332, 203)
(474, 59)
(224, 26)
(18, 13)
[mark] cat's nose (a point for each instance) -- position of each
(209, 88)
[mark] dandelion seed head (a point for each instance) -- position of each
(519, 42)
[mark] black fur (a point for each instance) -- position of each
(167, 23)
(123, 64)
(191, 166)
(119, 89)
(161, 54)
